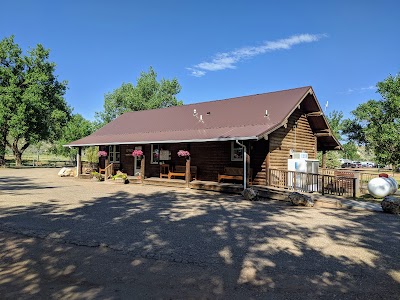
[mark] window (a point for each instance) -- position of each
(114, 153)
(236, 152)
(155, 154)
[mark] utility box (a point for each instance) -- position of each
(300, 155)
(303, 174)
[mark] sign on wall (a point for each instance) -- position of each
(165, 155)
(128, 151)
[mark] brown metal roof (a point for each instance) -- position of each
(236, 118)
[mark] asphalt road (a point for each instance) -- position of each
(63, 238)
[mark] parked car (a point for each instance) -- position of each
(346, 165)
(356, 164)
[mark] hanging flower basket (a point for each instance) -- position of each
(102, 154)
(184, 153)
(136, 153)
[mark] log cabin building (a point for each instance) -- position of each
(271, 126)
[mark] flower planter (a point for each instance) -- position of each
(119, 181)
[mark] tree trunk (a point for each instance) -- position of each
(2, 153)
(18, 153)
(2, 159)
(3, 146)
(18, 159)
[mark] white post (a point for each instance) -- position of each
(78, 162)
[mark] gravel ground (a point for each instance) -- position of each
(66, 238)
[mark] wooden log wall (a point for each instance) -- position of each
(299, 138)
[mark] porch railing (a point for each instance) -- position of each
(325, 171)
(307, 182)
(108, 171)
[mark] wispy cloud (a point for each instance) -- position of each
(228, 60)
(360, 90)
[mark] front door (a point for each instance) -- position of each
(137, 162)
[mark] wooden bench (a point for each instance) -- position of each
(180, 171)
(233, 173)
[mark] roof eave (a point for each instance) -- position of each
(166, 142)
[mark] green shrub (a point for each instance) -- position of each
(97, 175)
(120, 175)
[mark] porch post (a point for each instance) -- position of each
(267, 159)
(248, 169)
(142, 168)
(356, 184)
(323, 159)
(187, 173)
(79, 162)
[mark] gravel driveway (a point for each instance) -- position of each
(69, 238)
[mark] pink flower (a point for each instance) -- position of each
(137, 153)
(102, 153)
(183, 153)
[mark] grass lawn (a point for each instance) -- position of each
(376, 171)
(32, 159)
(396, 176)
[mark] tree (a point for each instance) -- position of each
(32, 107)
(76, 128)
(334, 119)
(147, 94)
(351, 151)
(376, 123)
(91, 155)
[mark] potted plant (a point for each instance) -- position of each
(137, 153)
(96, 176)
(120, 178)
(102, 153)
(184, 153)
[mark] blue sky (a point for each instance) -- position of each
(216, 49)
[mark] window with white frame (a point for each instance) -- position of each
(114, 153)
(155, 153)
(236, 152)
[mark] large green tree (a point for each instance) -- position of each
(76, 128)
(32, 107)
(376, 123)
(334, 119)
(350, 151)
(147, 94)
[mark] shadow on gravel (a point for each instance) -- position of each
(13, 183)
(181, 243)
